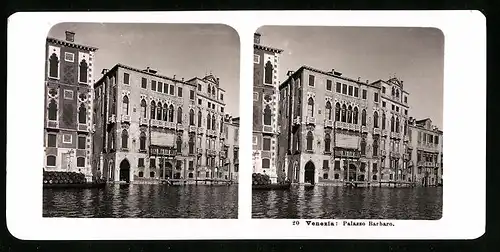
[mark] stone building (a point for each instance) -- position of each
(68, 96)
(425, 150)
(333, 128)
(154, 126)
(265, 108)
(231, 147)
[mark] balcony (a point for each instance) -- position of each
(192, 128)
(155, 123)
(211, 152)
(170, 125)
(143, 121)
(328, 124)
(383, 132)
(267, 129)
(347, 154)
(357, 127)
(199, 151)
(376, 131)
(296, 121)
(162, 124)
(222, 154)
(429, 164)
(125, 119)
(406, 138)
(222, 135)
(396, 135)
(180, 127)
(420, 163)
(406, 156)
(82, 127)
(201, 130)
(395, 155)
(112, 119)
(53, 124)
(311, 120)
(410, 163)
(364, 129)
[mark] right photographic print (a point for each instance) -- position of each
(347, 123)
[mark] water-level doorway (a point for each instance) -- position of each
(125, 171)
(309, 171)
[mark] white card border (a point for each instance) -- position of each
(464, 200)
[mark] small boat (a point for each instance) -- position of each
(78, 185)
(272, 187)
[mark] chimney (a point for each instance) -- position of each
(256, 38)
(337, 73)
(174, 76)
(104, 71)
(359, 78)
(289, 73)
(70, 36)
(366, 81)
(182, 79)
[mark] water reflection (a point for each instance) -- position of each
(420, 203)
(143, 201)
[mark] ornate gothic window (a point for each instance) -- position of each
(142, 141)
(268, 73)
(375, 147)
(165, 112)
(375, 119)
(153, 110)
(363, 117)
(328, 110)
(144, 108)
(82, 114)
(54, 66)
(209, 120)
(383, 121)
(337, 112)
(199, 118)
(310, 139)
(349, 114)
(158, 111)
(191, 144)
(124, 139)
(355, 115)
(191, 117)
(310, 107)
(83, 71)
(363, 146)
(267, 115)
(397, 125)
(125, 105)
(171, 113)
(213, 122)
(179, 144)
(327, 142)
(344, 112)
(179, 115)
(392, 124)
(52, 110)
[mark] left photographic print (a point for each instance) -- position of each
(141, 121)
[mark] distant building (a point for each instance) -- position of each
(154, 126)
(333, 128)
(265, 108)
(231, 147)
(425, 149)
(68, 96)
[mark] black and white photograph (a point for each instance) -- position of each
(347, 123)
(141, 121)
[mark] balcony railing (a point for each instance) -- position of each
(311, 120)
(395, 154)
(383, 132)
(357, 127)
(180, 127)
(396, 135)
(420, 163)
(112, 119)
(126, 118)
(376, 131)
(82, 127)
(162, 124)
(53, 124)
(143, 121)
(192, 128)
(364, 129)
(429, 164)
(201, 130)
(296, 120)
(211, 152)
(348, 154)
(406, 138)
(267, 129)
(155, 123)
(328, 123)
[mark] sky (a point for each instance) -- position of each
(184, 50)
(414, 55)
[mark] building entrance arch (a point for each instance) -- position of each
(125, 171)
(309, 171)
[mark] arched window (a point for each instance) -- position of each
(125, 105)
(124, 139)
(336, 176)
(52, 110)
(327, 142)
(191, 144)
(375, 119)
(54, 66)
(209, 121)
(325, 175)
(349, 114)
(171, 113)
(191, 117)
(383, 121)
(179, 144)
(355, 116)
(213, 122)
(375, 147)
(344, 112)
(51, 160)
(268, 73)
(83, 71)
(144, 108)
(267, 115)
(397, 93)
(337, 112)
(405, 127)
(392, 124)
(209, 89)
(328, 110)
(310, 139)
(397, 125)
(374, 177)
(393, 91)
(142, 141)
(153, 110)
(165, 112)
(363, 117)
(199, 118)
(363, 146)
(158, 111)
(82, 114)
(310, 107)
(179, 115)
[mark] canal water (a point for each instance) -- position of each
(144, 201)
(332, 202)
